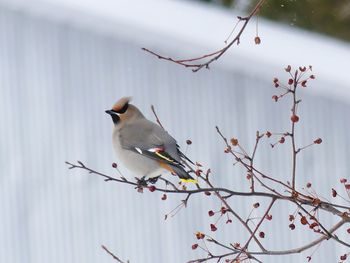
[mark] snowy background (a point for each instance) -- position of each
(63, 62)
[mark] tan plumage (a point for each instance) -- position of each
(142, 146)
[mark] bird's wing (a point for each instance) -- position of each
(149, 139)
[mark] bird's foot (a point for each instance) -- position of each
(141, 182)
(153, 180)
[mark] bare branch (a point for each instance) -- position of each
(113, 256)
(211, 57)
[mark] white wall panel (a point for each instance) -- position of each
(56, 80)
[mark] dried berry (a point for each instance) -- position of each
(290, 81)
(261, 234)
(207, 193)
(343, 257)
(189, 142)
(294, 118)
(292, 226)
(275, 98)
(256, 205)
(200, 235)
(318, 141)
(291, 218)
(194, 246)
(275, 80)
(282, 140)
(312, 76)
(164, 197)
(308, 185)
(303, 220)
(303, 83)
(268, 217)
(268, 134)
(234, 142)
(257, 40)
(152, 188)
(228, 221)
(211, 213)
(288, 68)
(213, 227)
(114, 165)
(343, 180)
(223, 210)
(334, 192)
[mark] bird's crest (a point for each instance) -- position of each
(121, 103)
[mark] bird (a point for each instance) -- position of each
(143, 146)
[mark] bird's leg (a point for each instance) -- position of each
(153, 180)
(141, 182)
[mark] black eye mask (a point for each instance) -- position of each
(115, 118)
(124, 109)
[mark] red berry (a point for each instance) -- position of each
(200, 235)
(303, 220)
(334, 192)
(257, 40)
(114, 165)
(290, 81)
(211, 213)
(152, 188)
(282, 140)
(194, 246)
(343, 257)
(275, 98)
(261, 234)
(213, 227)
(318, 141)
(294, 118)
(343, 180)
(308, 185)
(223, 210)
(234, 142)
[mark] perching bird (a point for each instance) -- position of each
(144, 147)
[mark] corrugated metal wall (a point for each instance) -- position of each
(56, 80)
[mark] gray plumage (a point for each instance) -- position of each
(142, 146)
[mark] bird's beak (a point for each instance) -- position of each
(110, 112)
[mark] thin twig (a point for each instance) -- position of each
(216, 54)
(113, 256)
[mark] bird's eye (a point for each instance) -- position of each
(124, 109)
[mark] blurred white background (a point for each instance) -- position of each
(63, 62)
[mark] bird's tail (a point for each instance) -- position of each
(183, 175)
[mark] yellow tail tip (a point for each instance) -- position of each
(189, 181)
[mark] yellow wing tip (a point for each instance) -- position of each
(189, 181)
